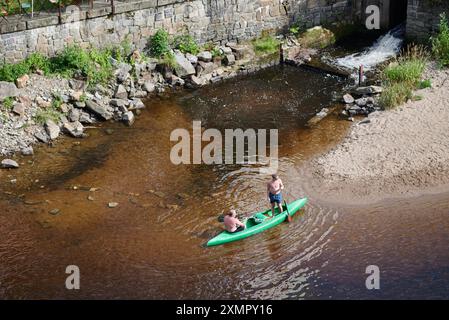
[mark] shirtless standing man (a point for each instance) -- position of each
(274, 188)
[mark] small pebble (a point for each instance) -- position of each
(112, 204)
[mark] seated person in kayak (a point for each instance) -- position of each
(274, 188)
(232, 224)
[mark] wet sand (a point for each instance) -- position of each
(401, 153)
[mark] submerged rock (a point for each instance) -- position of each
(128, 118)
(27, 151)
(9, 164)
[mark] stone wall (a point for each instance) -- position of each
(423, 18)
(206, 20)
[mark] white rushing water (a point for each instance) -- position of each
(386, 47)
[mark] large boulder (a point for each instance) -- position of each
(205, 56)
(22, 81)
(149, 86)
(240, 51)
(120, 92)
(205, 68)
(135, 104)
(183, 66)
(7, 89)
(75, 129)
(122, 73)
(98, 110)
(19, 109)
(52, 129)
(229, 60)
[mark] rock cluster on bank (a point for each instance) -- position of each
(41, 109)
(361, 101)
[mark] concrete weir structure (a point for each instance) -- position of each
(206, 20)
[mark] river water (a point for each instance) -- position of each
(152, 244)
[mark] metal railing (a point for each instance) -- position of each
(10, 8)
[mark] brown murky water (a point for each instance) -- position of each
(151, 245)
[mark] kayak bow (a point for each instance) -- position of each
(258, 223)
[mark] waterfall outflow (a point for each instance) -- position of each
(386, 47)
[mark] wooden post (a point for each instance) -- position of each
(113, 7)
(360, 75)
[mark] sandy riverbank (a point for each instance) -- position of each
(401, 152)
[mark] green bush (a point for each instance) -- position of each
(186, 44)
(266, 45)
(440, 43)
(409, 71)
(159, 43)
(37, 61)
(395, 94)
(403, 76)
(95, 64)
(10, 72)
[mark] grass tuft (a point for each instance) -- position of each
(266, 45)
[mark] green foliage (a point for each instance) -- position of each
(8, 103)
(425, 84)
(10, 72)
(408, 71)
(403, 76)
(42, 116)
(37, 61)
(409, 67)
(186, 44)
(169, 60)
(95, 64)
(395, 94)
(83, 97)
(266, 45)
(159, 43)
(296, 29)
(440, 43)
(57, 102)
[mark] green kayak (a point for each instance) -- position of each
(258, 222)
